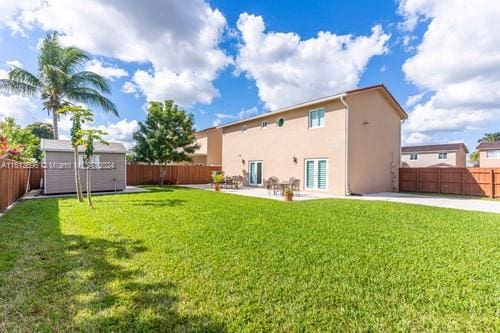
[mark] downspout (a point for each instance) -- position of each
(346, 140)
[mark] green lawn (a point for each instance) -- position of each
(190, 260)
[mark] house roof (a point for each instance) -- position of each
(65, 145)
(434, 148)
(380, 87)
(489, 145)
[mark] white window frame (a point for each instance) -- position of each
(315, 180)
(263, 124)
(262, 172)
(445, 156)
(413, 154)
(496, 154)
(95, 160)
(309, 118)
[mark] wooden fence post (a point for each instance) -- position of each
(418, 180)
(492, 179)
(439, 180)
(463, 181)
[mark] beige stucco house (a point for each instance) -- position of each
(343, 144)
(440, 155)
(489, 154)
(210, 150)
(59, 175)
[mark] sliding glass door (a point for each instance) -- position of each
(255, 173)
(316, 174)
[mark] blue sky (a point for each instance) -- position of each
(224, 60)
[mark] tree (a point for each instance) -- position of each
(474, 157)
(23, 145)
(59, 81)
(166, 136)
(41, 130)
(490, 137)
(78, 116)
(87, 139)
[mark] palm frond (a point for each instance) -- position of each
(91, 97)
(87, 78)
(20, 81)
(72, 59)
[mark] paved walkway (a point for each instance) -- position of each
(466, 203)
(480, 205)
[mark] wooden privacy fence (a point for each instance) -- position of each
(483, 182)
(144, 174)
(14, 181)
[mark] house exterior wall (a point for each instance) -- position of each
(374, 143)
(63, 180)
(427, 159)
(210, 142)
(277, 146)
(485, 162)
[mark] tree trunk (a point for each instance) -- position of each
(162, 174)
(89, 189)
(54, 124)
(78, 182)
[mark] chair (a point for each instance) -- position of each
(295, 185)
(270, 184)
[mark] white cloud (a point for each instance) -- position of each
(414, 99)
(121, 131)
(15, 63)
(245, 113)
(220, 117)
(179, 39)
(457, 62)
(23, 109)
(108, 71)
(288, 70)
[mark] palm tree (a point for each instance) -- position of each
(59, 80)
(87, 139)
(490, 137)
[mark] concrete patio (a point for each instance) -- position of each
(36, 194)
(465, 203)
(259, 192)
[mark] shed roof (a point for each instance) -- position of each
(434, 148)
(65, 145)
(489, 145)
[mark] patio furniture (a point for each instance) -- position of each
(272, 185)
(295, 185)
(238, 182)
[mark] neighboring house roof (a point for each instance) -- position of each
(434, 148)
(65, 145)
(489, 145)
(380, 87)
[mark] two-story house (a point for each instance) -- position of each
(210, 147)
(440, 155)
(347, 143)
(489, 154)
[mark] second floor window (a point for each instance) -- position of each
(317, 118)
(443, 156)
(413, 156)
(493, 154)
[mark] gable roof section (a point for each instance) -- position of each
(489, 145)
(434, 148)
(379, 87)
(65, 146)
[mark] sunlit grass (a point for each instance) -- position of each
(190, 260)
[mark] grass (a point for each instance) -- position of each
(189, 260)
